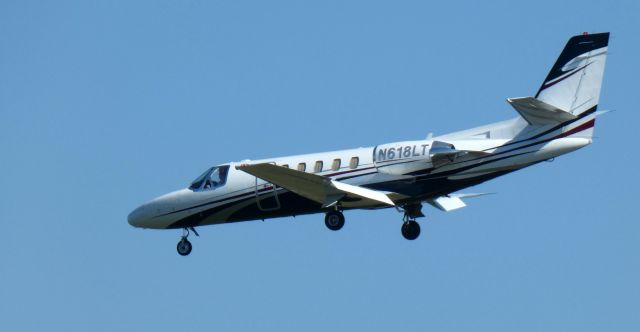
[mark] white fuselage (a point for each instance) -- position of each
(399, 167)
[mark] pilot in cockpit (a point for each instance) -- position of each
(216, 178)
(212, 178)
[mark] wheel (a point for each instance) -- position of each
(410, 230)
(184, 247)
(334, 220)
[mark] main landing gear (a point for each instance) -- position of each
(184, 246)
(410, 229)
(334, 220)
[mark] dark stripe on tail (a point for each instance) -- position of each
(576, 46)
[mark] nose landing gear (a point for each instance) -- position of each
(184, 246)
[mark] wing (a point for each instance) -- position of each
(317, 188)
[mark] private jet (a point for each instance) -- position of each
(404, 175)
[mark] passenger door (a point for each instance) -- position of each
(266, 195)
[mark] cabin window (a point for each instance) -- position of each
(354, 162)
(302, 167)
(285, 165)
(335, 165)
(318, 167)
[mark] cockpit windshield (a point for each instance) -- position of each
(212, 178)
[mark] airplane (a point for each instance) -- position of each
(559, 119)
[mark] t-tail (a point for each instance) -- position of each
(570, 93)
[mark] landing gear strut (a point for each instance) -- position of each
(184, 246)
(334, 220)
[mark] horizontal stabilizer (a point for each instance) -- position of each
(314, 187)
(453, 201)
(539, 113)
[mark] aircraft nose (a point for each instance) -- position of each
(138, 217)
(153, 214)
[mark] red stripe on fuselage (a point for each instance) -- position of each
(580, 128)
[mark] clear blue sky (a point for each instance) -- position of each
(106, 104)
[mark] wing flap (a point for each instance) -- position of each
(363, 192)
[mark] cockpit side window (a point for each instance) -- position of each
(214, 177)
(197, 183)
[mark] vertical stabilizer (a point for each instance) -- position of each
(574, 82)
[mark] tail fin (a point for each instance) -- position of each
(573, 84)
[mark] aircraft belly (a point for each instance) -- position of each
(291, 204)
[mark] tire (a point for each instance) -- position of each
(334, 220)
(410, 230)
(184, 247)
